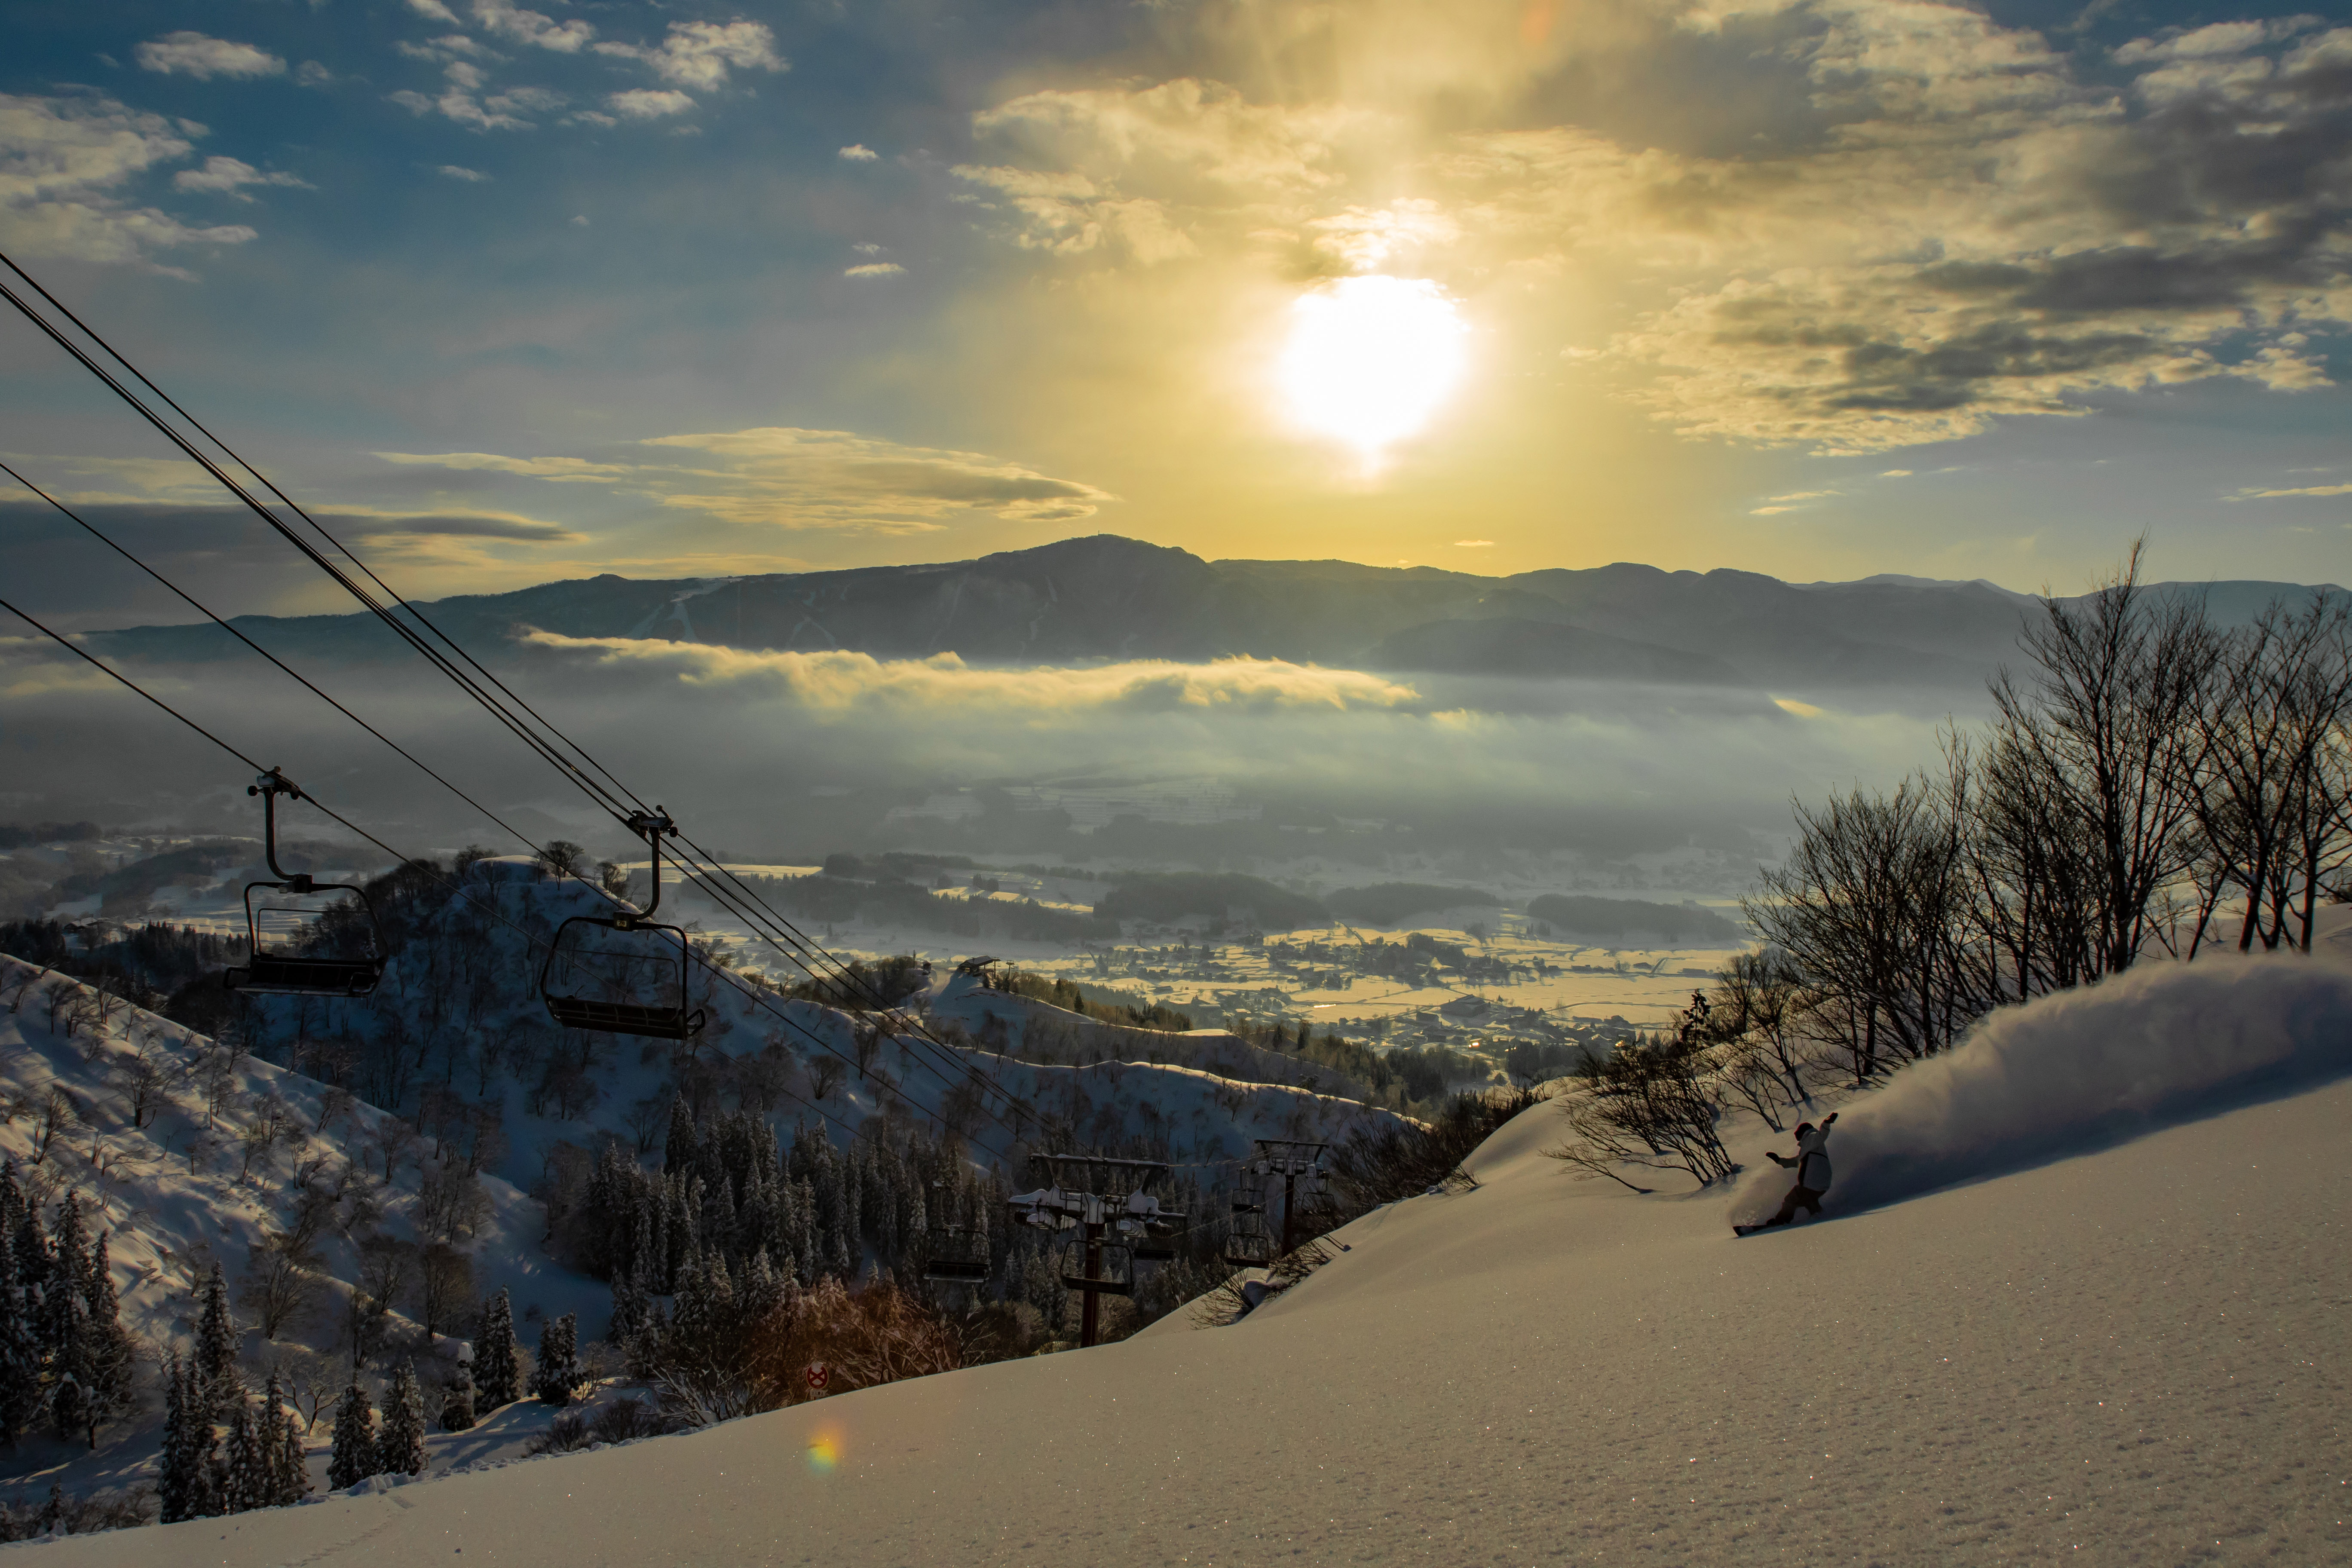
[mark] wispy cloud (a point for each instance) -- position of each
(794, 479)
(874, 269)
(193, 54)
(231, 176)
(698, 55)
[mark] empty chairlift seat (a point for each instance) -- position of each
(623, 974)
(303, 937)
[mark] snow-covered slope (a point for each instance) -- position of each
(2135, 1354)
(469, 980)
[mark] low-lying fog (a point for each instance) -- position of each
(786, 756)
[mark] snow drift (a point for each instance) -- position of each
(2084, 1069)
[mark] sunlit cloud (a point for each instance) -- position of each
(842, 682)
(63, 164)
(195, 55)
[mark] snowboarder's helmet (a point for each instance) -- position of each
(1804, 1128)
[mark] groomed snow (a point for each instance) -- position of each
(2133, 1355)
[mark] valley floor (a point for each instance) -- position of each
(2135, 1356)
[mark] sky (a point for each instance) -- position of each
(1818, 288)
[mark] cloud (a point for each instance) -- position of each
(434, 11)
(2300, 491)
(698, 55)
(310, 73)
(1473, 544)
(857, 154)
(460, 101)
(839, 682)
(648, 103)
(1125, 174)
(61, 163)
(1946, 225)
(374, 523)
(510, 21)
(797, 479)
(560, 468)
(459, 172)
(875, 269)
(231, 176)
(193, 54)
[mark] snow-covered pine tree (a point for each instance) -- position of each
(20, 1338)
(281, 1445)
(559, 1373)
(457, 1404)
(32, 1256)
(64, 1322)
(680, 1148)
(248, 1459)
(180, 1483)
(216, 1340)
(293, 1462)
(354, 1458)
(402, 1447)
(496, 1372)
(111, 1354)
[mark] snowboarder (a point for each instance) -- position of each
(1812, 1167)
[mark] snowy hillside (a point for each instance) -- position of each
(459, 1020)
(2128, 1350)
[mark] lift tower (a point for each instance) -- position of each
(1105, 1212)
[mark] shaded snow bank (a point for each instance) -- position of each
(2084, 1069)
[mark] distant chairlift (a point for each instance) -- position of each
(955, 1253)
(276, 926)
(623, 974)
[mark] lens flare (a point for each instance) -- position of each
(1370, 359)
(824, 1453)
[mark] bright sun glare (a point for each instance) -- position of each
(1369, 359)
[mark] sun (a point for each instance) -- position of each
(1370, 359)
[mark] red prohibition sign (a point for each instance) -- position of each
(818, 1375)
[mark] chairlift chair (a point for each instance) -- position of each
(640, 965)
(273, 971)
(956, 1255)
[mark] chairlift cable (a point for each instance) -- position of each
(399, 858)
(540, 744)
(840, 976)
(418, 763)
(604, 797)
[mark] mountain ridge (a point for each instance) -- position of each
(1103, 598)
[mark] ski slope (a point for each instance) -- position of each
(2131, 1353)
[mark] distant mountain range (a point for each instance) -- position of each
(1106, 598)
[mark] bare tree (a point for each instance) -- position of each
(23, 979)
(58, 1114)
(2107, 724)
(446, 1285)
(281, 1284)
(142, 1079)
(386, 1265)
(2268, 807)
(336, 1105)
(825, 1074)
(394, 1143)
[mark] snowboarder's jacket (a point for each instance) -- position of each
(1812, 1161)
